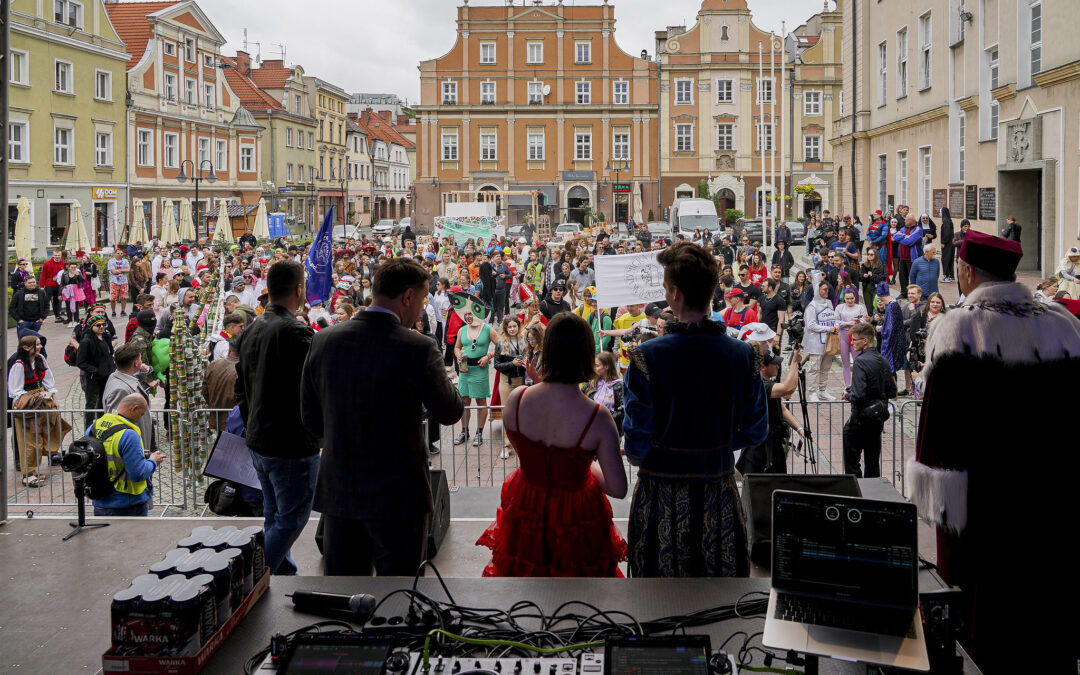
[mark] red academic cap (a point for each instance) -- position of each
(996, 255)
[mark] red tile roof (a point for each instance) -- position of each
(270, 77)
(129, 20)
(251, 97)
(379, 128)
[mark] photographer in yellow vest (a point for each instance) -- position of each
(129, 470)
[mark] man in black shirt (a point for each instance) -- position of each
(772, 309)
(872, 385)
(769, 457)
(487, 280)
(783, 289)
(751, 293)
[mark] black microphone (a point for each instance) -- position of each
(356, 608)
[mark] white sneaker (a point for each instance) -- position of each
(505, 454)
(812, 398)
(826, 396)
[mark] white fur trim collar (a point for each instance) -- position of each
(939, 494)
(1002, 320)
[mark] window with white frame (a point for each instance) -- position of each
(812, 148)
(189, 49)
(311, 140)
(901, 63)
(534, 51)
(994, 84)
(684, 91)
(901, 177)
(536, 145)
(311, 174)
(925, 61)
(882, 181)
(764, 136)
(102, 85)
(925, 193)
(288, 173)
(170, 150)
(725, 91)
(63, 74)
(63, 145)
(208, 60)
(620, 144)
(488, 146)
(684, 137)
(583, 92)
(170, 87)
(725, 136)
(487, 52)
(208, 95)
(449, 92)
(582, 52)
(191, 96)
(582, 145)
(169, 47)
(103, 149)
(882, 73)
(204, 150)
(1036, 37)
(144, 147)
(764, 90)
(536, 92)
(811, 103)
(68, 13)
(450, 145)
(221, 161)
(962, 145)
(247, 158)
(19, 69)
(18, 141)
(288, 137)
(621, 92)
(487, 92)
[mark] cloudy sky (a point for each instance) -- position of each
(375, 46)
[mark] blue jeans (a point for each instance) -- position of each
(288, 487)
(22, 328)
(137, 510)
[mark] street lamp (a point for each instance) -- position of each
(196, 177)
(343, 181)
(615, 166)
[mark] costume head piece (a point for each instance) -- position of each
(468, 303)
(93, 321)
(882, 289)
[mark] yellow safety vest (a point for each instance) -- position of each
(117, 472)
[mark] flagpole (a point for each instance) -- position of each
(761, 137)
(772, 137)
(783, 123)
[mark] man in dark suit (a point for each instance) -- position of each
(366, 404)
(285, 455)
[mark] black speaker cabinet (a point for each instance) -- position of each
(757, 492)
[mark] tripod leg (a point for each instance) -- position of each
(80, 502)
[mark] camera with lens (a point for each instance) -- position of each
(795, 327)
(641, 334)
(917, 349)
(85, 460)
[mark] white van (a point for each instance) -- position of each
(687, 215)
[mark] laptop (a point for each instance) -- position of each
(845, 580)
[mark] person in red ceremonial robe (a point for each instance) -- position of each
(987, 472)
(554, 520)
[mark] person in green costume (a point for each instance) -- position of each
(474, 349)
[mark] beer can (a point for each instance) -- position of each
(235, 557)
(195, 539)
(202, 562)
(167, 565)
(128, 614)
(258, 564)
(245, 543)
(217, 539)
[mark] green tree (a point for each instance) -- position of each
(703, 189)
(651, 216)
(732, 215)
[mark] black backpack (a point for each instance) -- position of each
(98, 483)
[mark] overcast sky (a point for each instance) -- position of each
(375, 47)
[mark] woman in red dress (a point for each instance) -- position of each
(555, 520)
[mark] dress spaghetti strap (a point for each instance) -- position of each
(587, 426)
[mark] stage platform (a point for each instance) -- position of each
(54, 604)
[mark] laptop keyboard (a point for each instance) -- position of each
(820, 612)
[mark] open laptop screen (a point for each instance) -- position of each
(843, 547)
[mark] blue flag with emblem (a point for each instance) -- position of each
(320, 262)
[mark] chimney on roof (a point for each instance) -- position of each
(385, 114)
(273, 63)
(403, 120)
(243, 63)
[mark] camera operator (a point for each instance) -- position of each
(771, 456)
(872, 385)
(129, 470)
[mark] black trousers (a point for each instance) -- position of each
(52, 295)
(904, 270)
(389, 548)
(948, 254)
(862, 440)
(765, 458)
(93, 389)
(499, 304)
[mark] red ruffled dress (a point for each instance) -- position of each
(554, 520)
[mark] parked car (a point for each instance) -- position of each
(798, 231)
(567, 230)
(405, 222)
(342, 232)
(383, 227)
(660, 229)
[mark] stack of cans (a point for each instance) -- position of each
(188, 594)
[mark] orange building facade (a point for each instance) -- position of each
(539, 98)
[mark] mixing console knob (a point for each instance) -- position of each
(517, 667)
(397, 663)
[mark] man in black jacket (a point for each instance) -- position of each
(554, 303)
(374, 489)
(285, 455)
(872, 385)
(29, 307)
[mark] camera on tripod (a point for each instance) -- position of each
(795, 327)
